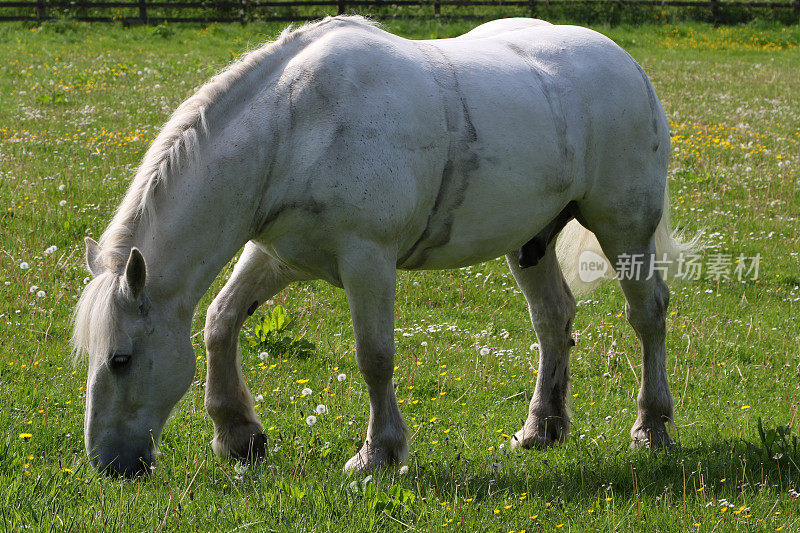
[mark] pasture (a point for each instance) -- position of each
(79, 105)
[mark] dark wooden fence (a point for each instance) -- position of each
(154, 11)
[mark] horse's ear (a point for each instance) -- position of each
(135, 272)
(93, 262)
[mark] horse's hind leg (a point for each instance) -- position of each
(552, 309)
(237, 430)
(630, 243)
(369, 277)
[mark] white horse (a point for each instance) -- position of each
(342, 152)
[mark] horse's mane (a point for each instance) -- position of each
(179, 138)
(176, 143)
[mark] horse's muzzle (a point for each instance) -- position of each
(124, 463)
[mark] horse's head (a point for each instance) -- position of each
(140, 363)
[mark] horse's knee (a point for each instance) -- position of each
(220, 326)
(650, 310)
(555, 318)
(376, 367)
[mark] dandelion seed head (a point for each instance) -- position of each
(485, 351)
(307, 392)
(311, 420)
(341, 377)
(321, 409)
(24, 265)
(62, 203)
(41, 294)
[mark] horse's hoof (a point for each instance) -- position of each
(255, 450)
(650, 437)
(540, 433)
(247, 443)
(371, 458)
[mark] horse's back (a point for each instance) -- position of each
(495, 27)
(464, 148)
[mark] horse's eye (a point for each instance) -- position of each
(119, 361)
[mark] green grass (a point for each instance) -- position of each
(78, 107)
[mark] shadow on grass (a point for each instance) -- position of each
(720, 468)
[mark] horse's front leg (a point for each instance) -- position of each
(237, 430)
(369, 281)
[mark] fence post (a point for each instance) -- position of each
(242, 12)
(715, 11)
(41, 9)
(342, 7)
(437, 7)
(143, 11)
(533, 8)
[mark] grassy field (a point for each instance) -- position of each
(79, 105)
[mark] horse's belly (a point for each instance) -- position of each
(498, 212)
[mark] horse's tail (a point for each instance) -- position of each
(583, 261)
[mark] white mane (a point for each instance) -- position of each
(178, 141)
(179, 138)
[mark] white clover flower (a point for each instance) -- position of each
(424, 344)
(534, 346)
(259, 398)
(41, 294)
(485, 351)
(62, 187)
(24, 265)
(341, 377)
(306, 392)
(311, 420)
(240, 468)
(62, 203)
(34, 288)
(321, 409)
(404, 470)
(263, 356)
(50, 250)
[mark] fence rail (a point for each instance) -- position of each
(268, 10)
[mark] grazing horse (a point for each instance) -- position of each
(344, 153)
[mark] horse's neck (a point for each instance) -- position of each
(197, 226)
(206, 212)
